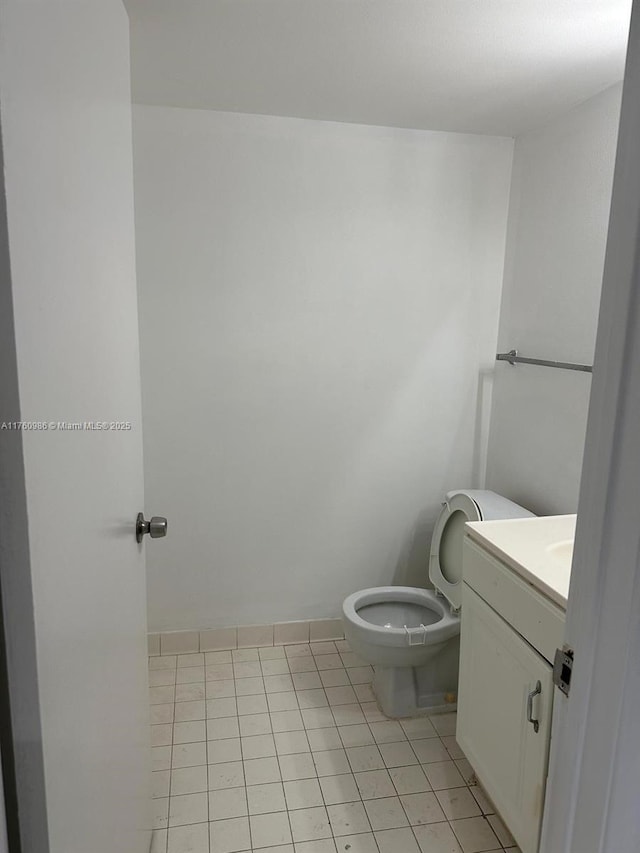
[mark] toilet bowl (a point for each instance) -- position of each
(398, 625)
(411, 635)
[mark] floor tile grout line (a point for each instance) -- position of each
(171, 762)
(288, 811)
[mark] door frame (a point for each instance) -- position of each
(594, 775)
(22, 763)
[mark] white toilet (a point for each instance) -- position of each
(411, 635)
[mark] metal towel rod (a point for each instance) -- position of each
(513, 358)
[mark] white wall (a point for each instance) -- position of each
(558, 218)
(316, 302)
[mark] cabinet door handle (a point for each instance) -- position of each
(530, 698)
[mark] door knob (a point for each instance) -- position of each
(156, 527)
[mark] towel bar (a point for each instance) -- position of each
(513, 358)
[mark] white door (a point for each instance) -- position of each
(594, 775)
(66, 129)
(499, 671)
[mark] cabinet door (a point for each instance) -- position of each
(498, 671)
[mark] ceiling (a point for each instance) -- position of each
(476, 66)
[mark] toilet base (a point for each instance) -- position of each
(405, 691)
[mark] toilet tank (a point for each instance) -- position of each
(493, 506)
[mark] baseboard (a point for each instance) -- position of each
(245, 636)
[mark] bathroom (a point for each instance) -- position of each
(319, 254)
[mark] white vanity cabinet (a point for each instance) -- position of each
(509, 632)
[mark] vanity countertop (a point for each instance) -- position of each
(538, 549)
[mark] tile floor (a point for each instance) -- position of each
(283, 750)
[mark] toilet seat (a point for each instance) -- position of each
(445, 567)
(442, 623)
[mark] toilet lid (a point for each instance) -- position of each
(445, 561)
